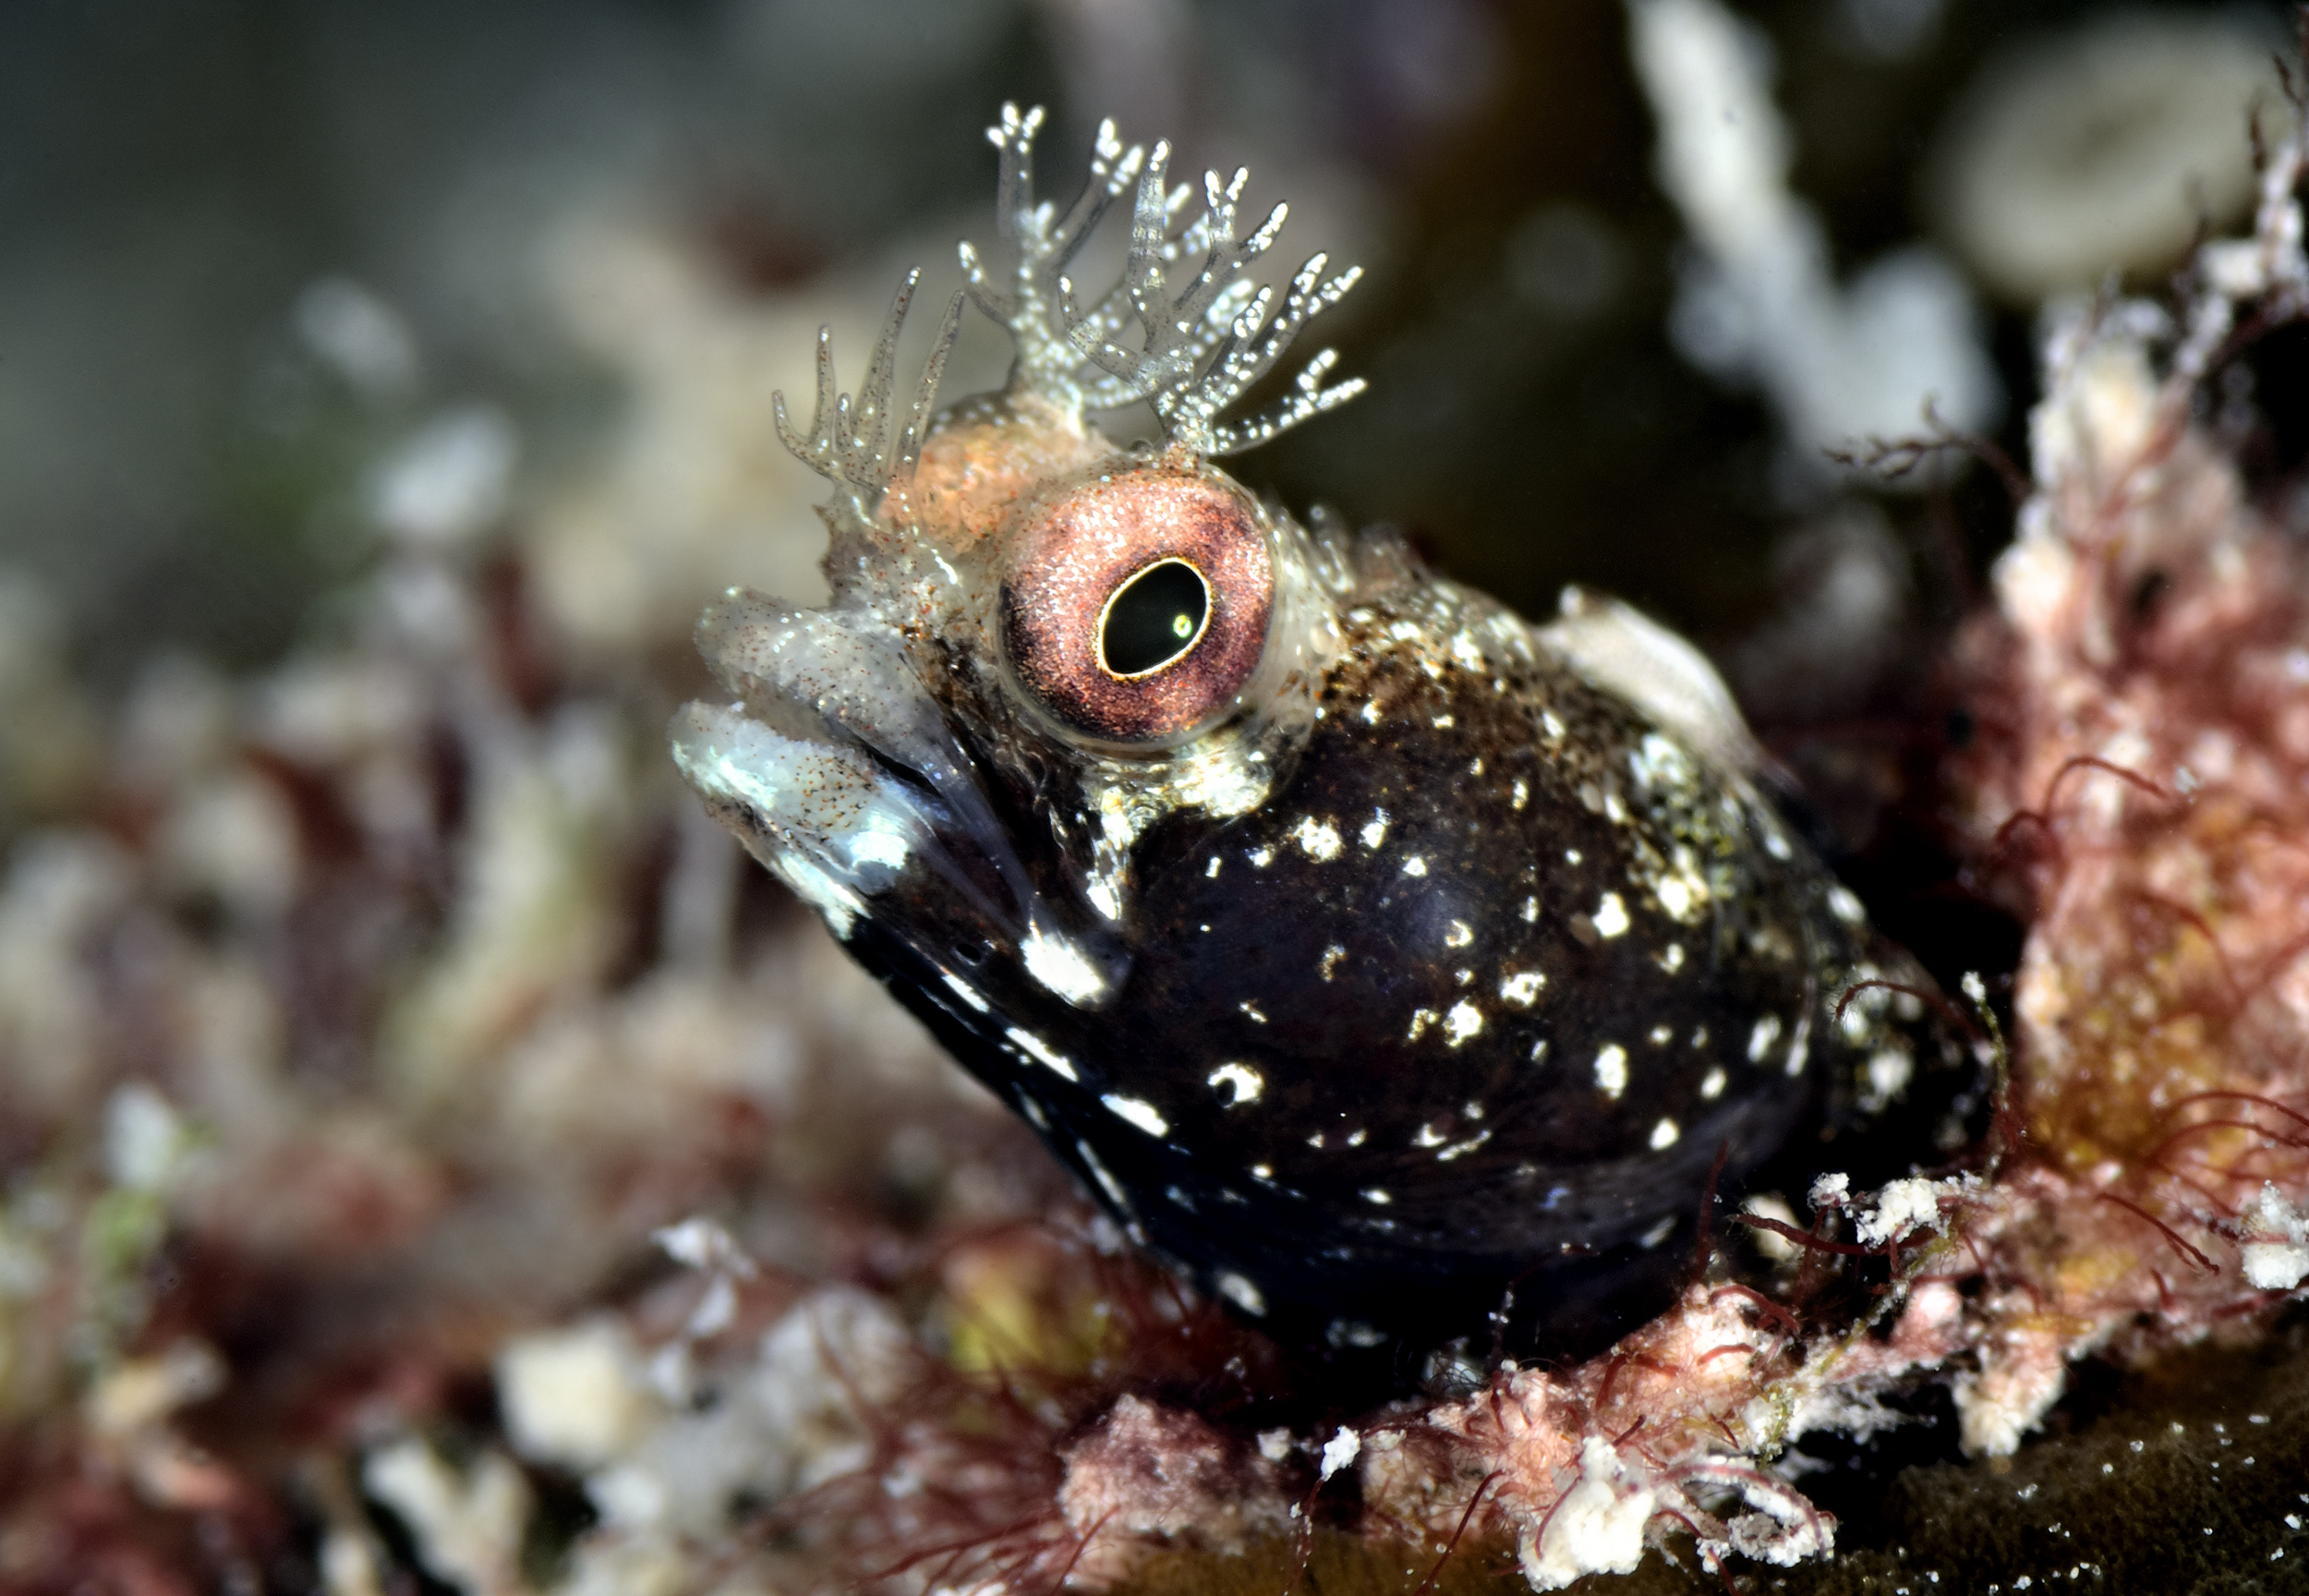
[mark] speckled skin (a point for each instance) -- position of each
(1423, 1026)
(1374, 962)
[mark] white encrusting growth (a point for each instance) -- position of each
(1137, 1111)
(1596, 1527)
(1611, 1070)
(2276, 1242)
(1900, 1207)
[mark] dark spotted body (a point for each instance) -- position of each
(1377, 957)
(1476, 1002)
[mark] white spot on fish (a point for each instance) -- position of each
(1377, 1195)
(1521, 794)
(1429, 1137)
(1036, 1046)
(1460, 1149)
(1260, 857)
(1888, 1076)
(1521, 988)
(1420, 1020)
(965, 991)
(1358, 1137)
(1665, 1136)
(1240, 1082)
(1670, 958)
(1611, 1070)
(1464, 1021)
(1415, 865)
(1107, 1182)
(1213, 870)
(1530, 910)
(1761, 1039)
(1443, 722)
(1251, 1012)
(1138, 1111)
(1662, 1034)
(1844, 906)
(1319, 838)
(1061, 967)
(1611, 917)
(1371, 712)
(1241, 1293)
(1711, 1084)
(1375, 828)
(1460, 936)
(1328, 965)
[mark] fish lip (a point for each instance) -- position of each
(842, 773)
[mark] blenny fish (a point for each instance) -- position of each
(1381, 960)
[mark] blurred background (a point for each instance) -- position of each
(245, 243)
(383, 388)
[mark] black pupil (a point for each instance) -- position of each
(1153, 618)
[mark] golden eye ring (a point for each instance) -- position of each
(1185, 633)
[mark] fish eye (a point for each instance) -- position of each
(1154, 621)
(1136, 608)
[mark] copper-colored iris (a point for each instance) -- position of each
(1116, 541)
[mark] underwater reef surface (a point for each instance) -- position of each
(436, 1161)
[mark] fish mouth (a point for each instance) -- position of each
(839, 773)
